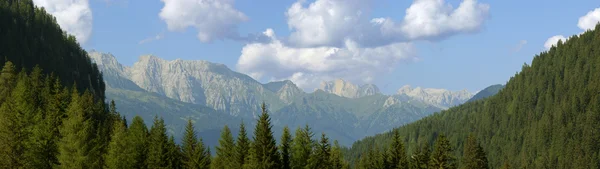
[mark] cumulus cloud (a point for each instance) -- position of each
(213, 19)
(339, 39)
(73, 16)
(309, 66)
(589, 21)
(332, 22)
(586, 22)
(552, 41)
(435, 18)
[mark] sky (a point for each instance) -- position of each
(450, 44)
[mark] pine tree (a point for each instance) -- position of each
(320, 157)
(473, 155)
(120, 151)
(396, 154)
(15, 114)
(337, 158)
(190, 145)
(137, 135)
(205, 158)
(284, 148)
(157, 145)
(8, 78)
(302, 147)
(442, 158)
(265, 154)
(74, 146)
(242, 147)
(373, 159)
(420, 158)
(174, 155)
(225, 150)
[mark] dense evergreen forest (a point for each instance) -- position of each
(31, 37)
(547, 116)
(53, 115)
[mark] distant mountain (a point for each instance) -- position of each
(441, 98)
(487, 92)
(205, 91)
(343, 88)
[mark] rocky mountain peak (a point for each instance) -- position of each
(441, 98)
(347, 89)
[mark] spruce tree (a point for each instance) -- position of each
(225, 150)
(137, 135)
(120, 151)
(396, 154)
(321, 155)
(157, 145)
(420, 158)
(284, 148)
(473, 155)
(336, 158)
(265, 154)
(205, 157)
(174, 155)
(302, 147)
(441, 157)
(8, 78)
(15, 116)
(74, 146)
(242, 147)
(191, 157)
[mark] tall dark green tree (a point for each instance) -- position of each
(441, 157)
(120, 151)
(420, 158)
(302, 147)
(157, 145)
(285, 148)
(473, 155)
(336, 158)
(8, 78)
(191, 155)
(76, 143)
(225, 151)
(396, 154)
(242, 147)
(138, 138)
(372, 159)
(321, 155)
(16, 115)
(174, 155)
(265, 154)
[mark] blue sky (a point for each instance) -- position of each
(487, 47)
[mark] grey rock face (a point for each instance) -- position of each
(441, 98)
(343, 88)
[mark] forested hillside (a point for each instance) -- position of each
(31, 37)
(547, 116)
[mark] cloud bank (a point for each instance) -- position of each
(338, 39)
(213, 19)
(73, 16)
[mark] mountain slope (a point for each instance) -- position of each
(547, 116)
(441, 98)
(487, 92)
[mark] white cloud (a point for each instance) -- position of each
(434, 18)
(589, 21)
(553, 40)
(150, 39)
(73, 16)
(332, 22)
(339, 39)
(309, 66)
(520, 45)
(214, 19)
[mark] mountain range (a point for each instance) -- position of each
(212, 95)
